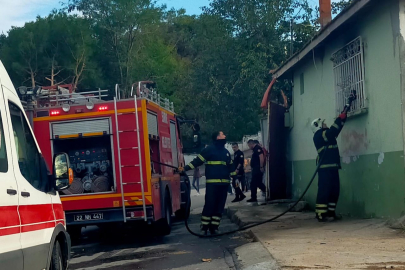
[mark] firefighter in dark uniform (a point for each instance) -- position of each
(218, 168)
(328, 173)
(238, 176)
(257, 165)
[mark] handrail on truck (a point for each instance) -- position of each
(152, 95)
(117, 91)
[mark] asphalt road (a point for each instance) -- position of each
(140, 248)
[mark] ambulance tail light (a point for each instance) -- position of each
(55, 112)
(103, 108)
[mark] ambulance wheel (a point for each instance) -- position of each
(57, 257)
(165, 224)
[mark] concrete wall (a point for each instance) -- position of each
(371, 145)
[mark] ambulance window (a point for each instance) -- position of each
(3, 153)
(29, 158)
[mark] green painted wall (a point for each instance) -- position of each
(367, 190)
(371, 145)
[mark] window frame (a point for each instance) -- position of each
(349, 74)
(43, 179)
(3, 142)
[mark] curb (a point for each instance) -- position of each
(252, 256)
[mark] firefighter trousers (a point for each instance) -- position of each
(237, 183)
(215, 199)
(328, 193)
(257, 182)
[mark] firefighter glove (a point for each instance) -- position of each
(343, 116)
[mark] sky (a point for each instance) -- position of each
(17, 12)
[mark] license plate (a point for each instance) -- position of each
(85, 217)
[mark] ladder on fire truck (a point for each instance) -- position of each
(138, 134)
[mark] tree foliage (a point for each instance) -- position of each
(215, 66)
(340, 5)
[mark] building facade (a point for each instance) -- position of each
(361, 50)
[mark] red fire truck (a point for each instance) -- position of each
(116, 149)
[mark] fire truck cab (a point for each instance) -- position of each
(117, 149)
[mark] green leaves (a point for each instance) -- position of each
(214, 67)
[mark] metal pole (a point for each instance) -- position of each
(268, 154)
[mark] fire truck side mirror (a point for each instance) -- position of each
(62, 173)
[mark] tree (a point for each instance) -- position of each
(253, 38)
(337, 7)
(23, 50)
(215, 67)
(116, 25)
(52, 50)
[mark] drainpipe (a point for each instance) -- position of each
(268, 153)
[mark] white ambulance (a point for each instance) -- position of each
(32, 221)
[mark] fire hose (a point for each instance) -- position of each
(188, 204)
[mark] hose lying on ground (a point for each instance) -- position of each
(188, 204)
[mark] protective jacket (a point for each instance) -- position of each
(326, 139)
(218, 164)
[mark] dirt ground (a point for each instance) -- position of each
(298, 241)
(301, 242)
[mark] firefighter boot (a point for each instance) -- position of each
(322, 217)
(332, 212)
(214, 224)
(332, 216)
(214, 229)
(204, 229)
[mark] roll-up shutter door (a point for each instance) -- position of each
(152, 124)
(81, 127)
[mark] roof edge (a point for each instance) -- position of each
(321, 36)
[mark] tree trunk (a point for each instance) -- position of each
(32, 79)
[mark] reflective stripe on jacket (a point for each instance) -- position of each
(326, 139)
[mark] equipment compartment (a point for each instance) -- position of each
(92, 164)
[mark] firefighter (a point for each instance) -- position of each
(328, 173)
(238, 177)
(218, 167)
(257, 165)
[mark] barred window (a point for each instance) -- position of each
(348, 69)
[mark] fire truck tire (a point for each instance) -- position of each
(57, 257)
(165, 224)
(75, 232)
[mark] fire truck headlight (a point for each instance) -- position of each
(66, 107)
(89, 105)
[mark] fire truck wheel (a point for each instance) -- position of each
(165, 224)
(57, 258)
(75, 232)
